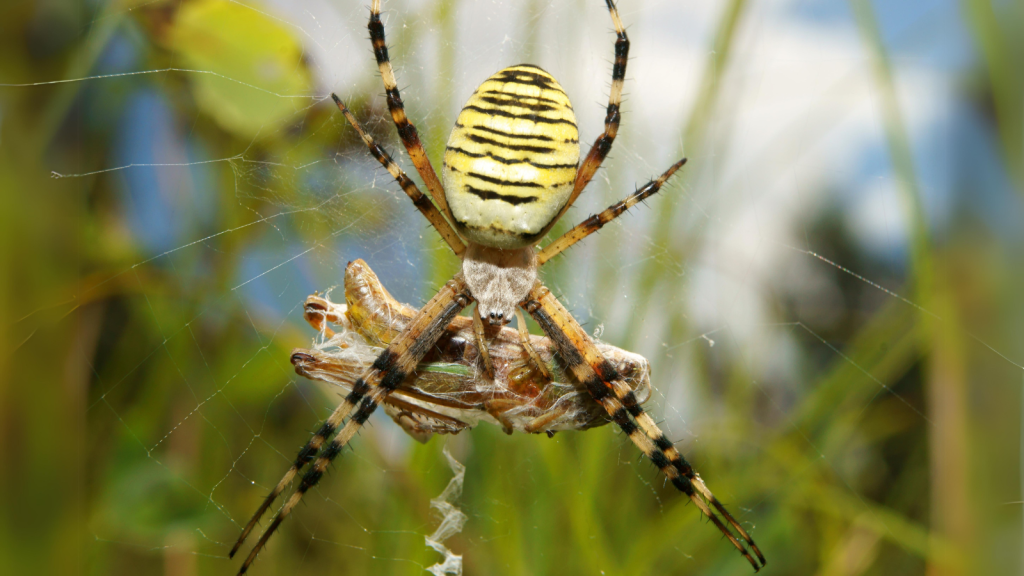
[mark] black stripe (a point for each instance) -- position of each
(621, 53)
(420, 200)
(527, 65)
(621, 417)
(607, 371)
(408, 186)
(359, 389)
(612, 114)
(507, 198)
(597, 388)
(502, 182)
(332, 451)
(537, 98)
(509, 134)
(622, 47)
(380, 154)
(385, 361)
(395, 101)
(660, 460)
(515, 147)
(310, 479)
(366, 407)
(592, 223)
(518, 103)
(663, 443)
(325, 430)
(380, 49)
(528, 78)
(305, 455)
(564, 346)
(502, 160)
(536, 119)
(406, 131)
(618, 70)
(629, 401)
(683, 484)
(354, 398)
(683, 466)
(393, 379)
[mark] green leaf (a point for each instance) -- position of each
(254, 79)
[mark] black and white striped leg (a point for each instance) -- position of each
(406, 130)
(603, 144)
(422, 203)
(597, 221)
(605, 385)
(388, 371)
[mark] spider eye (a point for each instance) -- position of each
(494, 318)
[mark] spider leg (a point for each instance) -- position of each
(388, 371)
(425, 206)
(524, 339)
(603, 144)
(603, 382)
(597, 221)
(406, 131)
(481, 343)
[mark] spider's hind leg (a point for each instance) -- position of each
(688, 480)
(387, 372)
(604, 384)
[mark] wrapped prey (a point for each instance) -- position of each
(531, 390)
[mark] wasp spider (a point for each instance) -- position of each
(511, 169)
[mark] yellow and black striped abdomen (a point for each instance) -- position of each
(511, 158)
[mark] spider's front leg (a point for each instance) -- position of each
(604, 384)
(388, 371)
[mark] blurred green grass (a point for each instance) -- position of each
(147, 407)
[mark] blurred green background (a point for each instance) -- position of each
(830, 294)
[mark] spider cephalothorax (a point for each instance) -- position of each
(511, 170)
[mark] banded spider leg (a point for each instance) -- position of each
(390, 369)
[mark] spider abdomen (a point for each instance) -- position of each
(511, 159)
